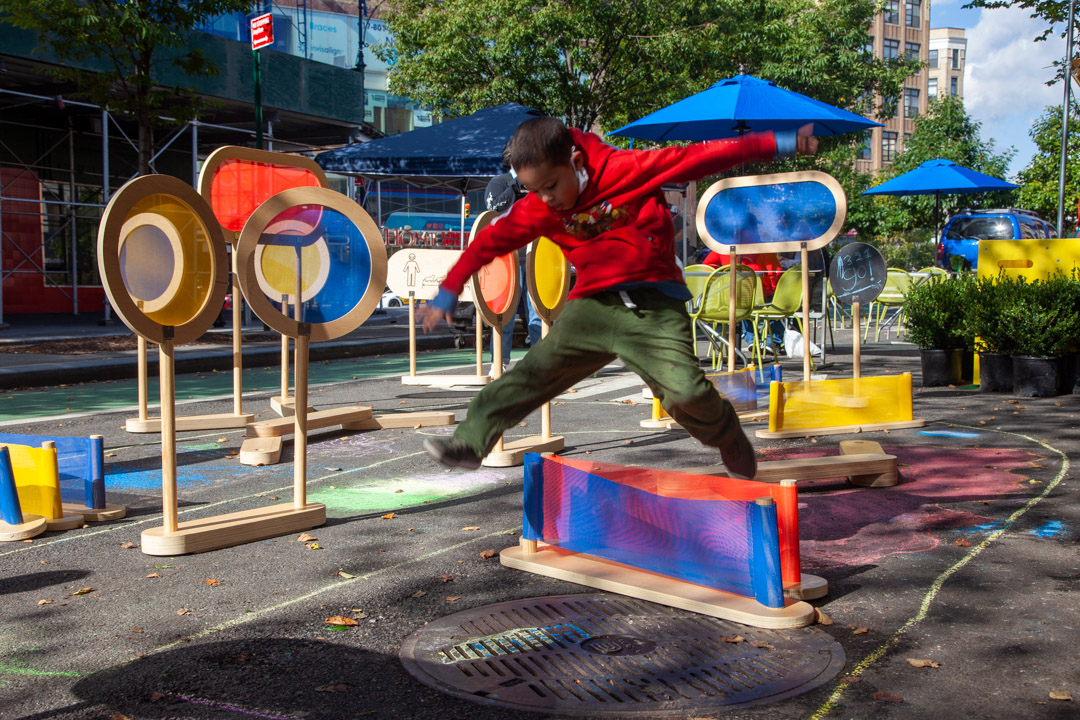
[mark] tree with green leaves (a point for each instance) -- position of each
(945, 131)
(1039, 180)
(602, 63)
(133, 38)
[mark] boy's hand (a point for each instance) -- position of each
(430, 317)
(805, 142)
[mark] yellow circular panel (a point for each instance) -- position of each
(275, 269)
(550, 273)
(162, 259)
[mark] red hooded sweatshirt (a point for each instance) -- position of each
(620, 231)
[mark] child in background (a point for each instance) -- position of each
(605, 208)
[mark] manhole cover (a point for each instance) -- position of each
(608, 655)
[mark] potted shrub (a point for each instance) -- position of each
(1042, 318)
(993, 341)
(935, 320)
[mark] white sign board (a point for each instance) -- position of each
(421, 271)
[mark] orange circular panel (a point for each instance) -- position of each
(162, 261)
(547, 272)
(236, 180)
(497, 284)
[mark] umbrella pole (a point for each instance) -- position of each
(937, 226)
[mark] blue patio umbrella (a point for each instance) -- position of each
(939, 177)
(739, 105)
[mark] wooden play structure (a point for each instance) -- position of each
(161, 256)
(547, 276)
(863, 462)
(79, 470)
(37, 482)
(415, 274)
(857, 275)
(722, 547)
(784, 212)
(739, 388)
(14, 523)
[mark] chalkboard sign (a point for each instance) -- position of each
(857, 274)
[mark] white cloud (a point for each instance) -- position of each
(1005, 75)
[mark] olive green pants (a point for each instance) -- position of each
(652, 340)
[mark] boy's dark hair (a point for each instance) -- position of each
(541, 140)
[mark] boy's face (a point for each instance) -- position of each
(557, 185)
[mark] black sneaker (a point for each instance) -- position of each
(451, 453)
(738, 457)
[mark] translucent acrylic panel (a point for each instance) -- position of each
(318, 255)
(166, 261)
(550, 272)
(497, 280)
(239, 186)
(780, 212)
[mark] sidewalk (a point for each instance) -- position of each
(385, 332)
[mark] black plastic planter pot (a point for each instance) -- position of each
(995, 372)
(1068, 366)
(1035, 376)
(940, 367)
(967, 365)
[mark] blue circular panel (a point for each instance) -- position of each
(781, 212)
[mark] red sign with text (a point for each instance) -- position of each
(262, 31)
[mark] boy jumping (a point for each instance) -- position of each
(604, 207)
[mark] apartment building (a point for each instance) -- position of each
(948, 50)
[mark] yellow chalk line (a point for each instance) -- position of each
(939, 581)
(255, 614)
(157, 519)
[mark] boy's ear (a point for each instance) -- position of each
(577, 159)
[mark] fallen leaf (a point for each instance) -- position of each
(115, 716)
(571, 390)
(446, 578)
(402, 402)
(471, 528)
(83, 591)
(762, 644)
(399, 491)
(860, 631)
(223, 439)
(821, 618)
(347, 576)
(313, 546)
(921, 663)
(388, 516)
(110, 454)
(734, 639)
(887, 697)
(44, 602)
(1061, 695)
(304, 537)
(183, 611)
(419, 594)
(334, 469)
(341, 620)
(153, 575)
(962, 543)
(453, 598)
(212, 581)
(274, 497)
(487, 554)
(127, 544)
(136, 630)
(333, 687)
(851, 679)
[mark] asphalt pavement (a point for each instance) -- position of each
(967, 566)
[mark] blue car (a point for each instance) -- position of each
(959, 249)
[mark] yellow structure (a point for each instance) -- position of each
(826, 407)
(37, 480)
(1029, 259)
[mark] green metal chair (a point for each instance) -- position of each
(712, 314)
(897, 284)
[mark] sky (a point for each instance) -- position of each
(1005, 73)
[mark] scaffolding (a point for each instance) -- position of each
(55, 181)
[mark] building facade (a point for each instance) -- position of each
(902, 29)
(948, 54)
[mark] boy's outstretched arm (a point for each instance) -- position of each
(805, 142)
(439, 308)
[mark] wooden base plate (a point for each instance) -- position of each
(812, 587)
(222, 421)
(316, 420)
(513, 453)
(31, 526)
(286, 407)
(625, 580)
(445, 380)
(105, 514)
(668, 423)
(402, 420)
(840, 429)
(236, 528)
(69, 521)
(261, 451)
(877, 469)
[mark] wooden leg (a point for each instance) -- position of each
(412, 334)
(237, 355)
(300, 425)
(142, 371)
(168, 436)
(805, 257)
